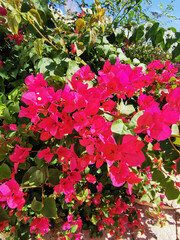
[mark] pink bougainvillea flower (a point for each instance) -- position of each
(80, 15)
(66, 226)
(108, 221)
(13, 127)
(89, 144)
(1, 63)
(146, 101)
(173, 100)
(34, 82)
(132, 179)
(65, 185)
(74, 176)
(129, 152)
(119, 174)
(46, 154)
(81, 120)
(73, 50)
(37, 97)
(20, 153)
(90, 178)
(109, 105)
(3, 224)
(40, 225)
(99, 187)
(84, 73)
(19, 156)
(29, 112)
(3, 12)
(17, 38)
(10, 192)
(156, 122)
(156, 64)
(5, 126)
(97, 199)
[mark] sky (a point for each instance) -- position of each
(168, 22)
(155, 7)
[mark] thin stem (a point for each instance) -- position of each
(45, 178)
(173, 146)
(43, 36)
(121, 8)
(174, 135)
(31, 187)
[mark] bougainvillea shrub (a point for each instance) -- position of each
(83, 138)
(82, 154)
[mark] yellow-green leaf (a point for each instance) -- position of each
(93, 35)
(17, 3)
(79, 49)
(80, 23)
(102, 26)
(38, 46)
(34, 15)
(177, 141)
(13, 21)
(101, 12)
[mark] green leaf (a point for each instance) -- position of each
(119, 127)
(5, 171)
(36, 178)
(2, 107)
(112, 58)
(126, 109)
(41, 5)
(74, 228)
(35, 16)
(54, 176)
(178, 167)
(72, 68)
(36, 206)
(3, 215)
(172, 29)
(176, 51)
(145, 198)
(13, 21)
(94, 219)
(49, 209)
(168, 151)
(13, 94)
(139, 33)
(38, 46)
(44, 64)
(158, 176)
(159, 36)
(133, 122)
(171, 192)
(152, 31)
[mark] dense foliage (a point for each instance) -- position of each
(89, 120)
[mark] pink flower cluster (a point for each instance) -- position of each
(76, 107)
(11, 195)
(79, 110)
(19, 156)
(40, 225)
(18, 38)
(3, 12)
